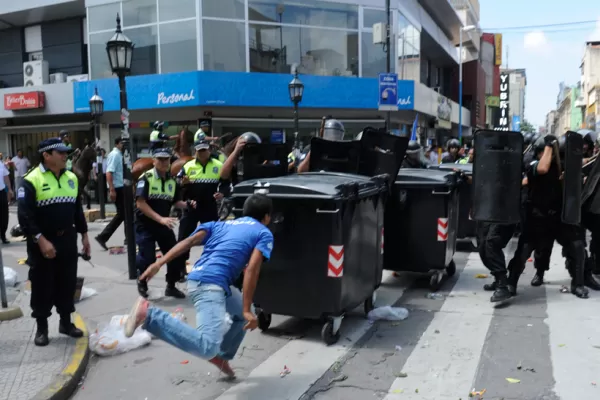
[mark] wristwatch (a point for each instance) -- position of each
(37, 237)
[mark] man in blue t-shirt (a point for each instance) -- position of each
(222, 315)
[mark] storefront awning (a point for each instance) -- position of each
(69, 126)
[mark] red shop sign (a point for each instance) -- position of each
(24, 101)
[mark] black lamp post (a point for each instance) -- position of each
(97, 109)
(120, 52)
(296, 88)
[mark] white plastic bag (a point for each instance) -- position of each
(10, 277)
(110, 340)
(388, 313)
(87, 292)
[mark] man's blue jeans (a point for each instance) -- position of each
(207, 340)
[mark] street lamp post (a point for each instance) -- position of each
(97, 109)
(467, 28)
(296, 88)
(120, 52)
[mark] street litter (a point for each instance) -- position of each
(398, 348)
(116, 250)
(477, 393)
(10, 277)
(562, 345)
(481, 276)
(388, 313)
(22, 261)
(564, 289)
(434, 296)
(286, 371)
(109, 339)
(513, 380)
(340, 378)
(401, 375)
(178, 314)
(87, 292)
(185, 362)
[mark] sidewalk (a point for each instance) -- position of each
(31, 372)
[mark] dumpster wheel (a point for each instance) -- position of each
(370, 304)
(436, 280)
(451, 269)
(327, 333)
(264, 320)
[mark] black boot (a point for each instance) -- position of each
(538, 279)
(588, 278)
(142, 287)
(66, 327)
(41, 335)
(577, 284)
(502, 292)
(172, 291)
(490, 287)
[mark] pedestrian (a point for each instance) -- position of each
(156, 193)
(222, 315)
(22, 165)
(114, 179)
(6, 195)
(50, 214)
(433, 155)
(200, 180)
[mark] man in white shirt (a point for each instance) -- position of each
(22, 165)
(6, 195)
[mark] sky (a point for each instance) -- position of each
(550, 54)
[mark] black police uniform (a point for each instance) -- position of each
(50, 207)
(543, 226)
(160, 194)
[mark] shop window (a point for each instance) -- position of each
(304, 12)
(373, 57)
(232, 9)
(145, 54)
(99, 65)
(139, 12)
(103, 17)
(325, 52)
(224, 45)
(178, 47)
(170, 10)
(372, 17)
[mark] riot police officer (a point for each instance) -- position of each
(332, 130)
(453, 147)
(156, 192)
(203, 131)
(468, 159)
(200, 179)
(157, 137)
(543, 220)
(414, 156)
(66, 140)
(50, 214)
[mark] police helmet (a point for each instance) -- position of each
(535, 137)
(200, 135)
(16, 231)
(158, 125)
(528, 139)
(562, 145)
(333, 130)
(413, 147)
(250, 137)
(453, 143)
(539, 145)
(63, 133)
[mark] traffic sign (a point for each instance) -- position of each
(388, 92)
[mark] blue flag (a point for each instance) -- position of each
(413, 135)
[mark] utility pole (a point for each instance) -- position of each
(388, 41)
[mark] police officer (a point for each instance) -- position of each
(200, 179)
(50, 214)
(468, 159)
(332, 130)
(203, 132)
(414, 156)
(156, 193)
(543, 220)
(453, 147)
(157, 137)
(66, 140)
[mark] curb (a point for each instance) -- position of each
(67, 381)
(10, 313)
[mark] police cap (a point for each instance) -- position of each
(52, 144)
(162, 153)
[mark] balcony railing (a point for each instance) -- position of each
(471, 5)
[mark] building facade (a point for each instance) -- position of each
(590, 86)
(550, 121)
(230, 61)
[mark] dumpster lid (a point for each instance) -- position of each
(465, 168)
(381, 152)
(414, 177)
(317, 185)
(264, 160)
(334, 156)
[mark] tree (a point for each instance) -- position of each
(526, 127)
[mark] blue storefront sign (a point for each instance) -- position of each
(237, 89)
(516, 123)
(388, 92)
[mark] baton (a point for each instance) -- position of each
(527, 149)
(322, 128)
(590, 161)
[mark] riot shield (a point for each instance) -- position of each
(381, 152)
(571, 211)
(590, 199)
(497, 176)
(264, 160)
(334, 156)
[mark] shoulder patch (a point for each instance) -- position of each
(141, 183)
(21, 193)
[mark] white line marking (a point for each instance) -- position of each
(443, 365)
(309, 359)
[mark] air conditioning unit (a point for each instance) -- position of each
(59, 77)
(35, 73)
(77, 78)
